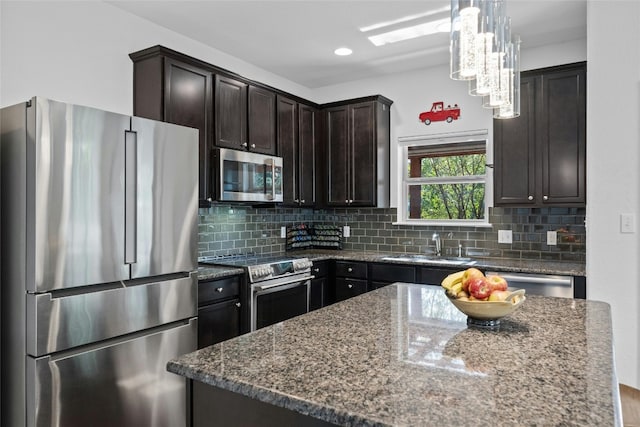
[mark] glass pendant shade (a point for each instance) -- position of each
(486, 44)
(497, 64)
(464, 28)
(511, 109)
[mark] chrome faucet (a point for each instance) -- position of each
(438, 242)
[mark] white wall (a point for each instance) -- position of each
(77, 51)
(613, 156)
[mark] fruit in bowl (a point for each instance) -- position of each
(483, 299)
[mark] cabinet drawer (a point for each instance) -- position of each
(392, 273)
(320, 268)
(347, 288)
(351, 269)
(217, 290)
(434, 276)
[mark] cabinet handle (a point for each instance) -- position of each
(253, 145)
(296, 200)
(316, 270)
(302, 201)
(530, 197)
(237, 304)
(349, 269)
(349, 286)
(347, 201)
(545, 197)
(219, 289)
(244, 144)
(350, 201)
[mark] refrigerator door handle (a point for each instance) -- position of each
(130, 194)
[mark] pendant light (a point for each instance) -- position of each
(483, 53)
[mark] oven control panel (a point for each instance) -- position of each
(262, 272)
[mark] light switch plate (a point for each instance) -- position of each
(552, 238)
(627, 223)
(505, 236)
(346, 231)
(283, 231)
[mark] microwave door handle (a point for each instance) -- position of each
(269, 162)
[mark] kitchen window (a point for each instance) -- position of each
(445, 179)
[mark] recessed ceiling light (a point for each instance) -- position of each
(343, 51)
(426, 29)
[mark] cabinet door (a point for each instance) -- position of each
(563, 142)
(218, 322)
(230, 113)
(347, 288)
(514, 148)
(337, 155)
(362, 153)
(288, 149)
(262, 120)
(308, 126)
(188, 102)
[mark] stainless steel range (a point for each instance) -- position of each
(280, 286)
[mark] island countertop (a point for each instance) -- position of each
(403, 355)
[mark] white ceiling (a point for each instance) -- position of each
(296, 39)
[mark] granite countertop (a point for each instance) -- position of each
(403, 355)
(210, 272)
(499, 264)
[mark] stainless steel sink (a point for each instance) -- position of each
(430, 259)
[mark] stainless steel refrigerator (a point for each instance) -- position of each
(98, 273)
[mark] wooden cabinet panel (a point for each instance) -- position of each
(363, 155)
(540, 157)
(308, 139)
(337, 156)
(288, 148)
(230, 113)
(351, 269)
(563, 143)
(357, 150)
(515, 151)
(319, 293)
(262, 120)
(390, 273)
(173, 91)
(218, 322)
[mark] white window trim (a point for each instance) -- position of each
(448, 138)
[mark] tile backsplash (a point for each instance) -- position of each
(236, 229)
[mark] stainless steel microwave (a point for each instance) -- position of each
(248, 177)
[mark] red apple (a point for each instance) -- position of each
(468, 275)
(479, 288)
(499, 295)
(497, 283)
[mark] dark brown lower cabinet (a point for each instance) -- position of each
(384, 274)
(321, 294)
(347, 288)
(219, 310)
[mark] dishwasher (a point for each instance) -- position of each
(540, 284)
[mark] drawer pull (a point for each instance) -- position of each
(237, 304)
(316, 270)
(219, 289)
(349, 286)
(349, 269)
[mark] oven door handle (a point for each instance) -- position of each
(275, 285)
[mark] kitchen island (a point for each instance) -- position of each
(403, 355)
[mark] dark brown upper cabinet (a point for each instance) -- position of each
(175, 91)
(357, 152)
(297, 140)
(245, 116)
(540, 157)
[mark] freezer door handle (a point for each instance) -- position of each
(130, 190)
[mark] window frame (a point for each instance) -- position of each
(453, 138)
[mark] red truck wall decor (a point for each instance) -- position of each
(439, 113)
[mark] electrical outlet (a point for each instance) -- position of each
(505, 236)
(552, 238)
(627, 223)
(283, 231)
(346, 231)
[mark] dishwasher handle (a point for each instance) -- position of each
(556, 280)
